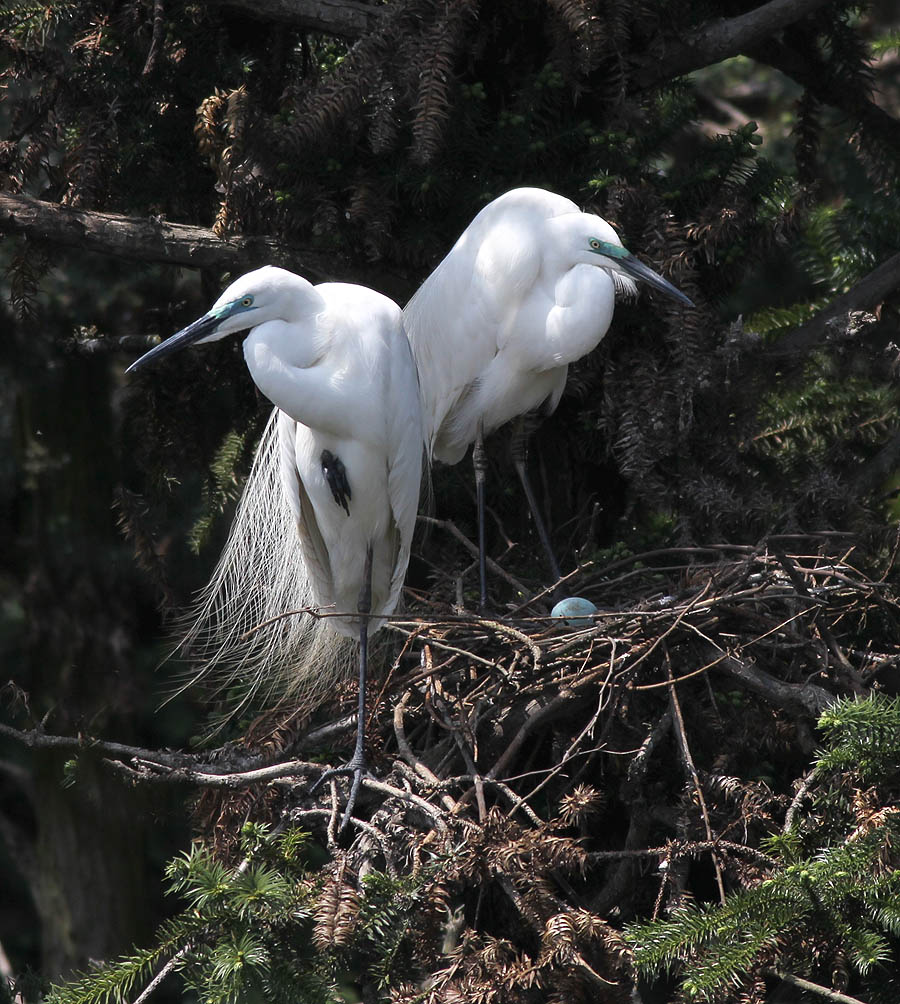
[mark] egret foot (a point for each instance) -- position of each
(357, 767)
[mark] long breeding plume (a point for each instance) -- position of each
(254, 629)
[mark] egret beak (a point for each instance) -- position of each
(638, 270)
(206, 325)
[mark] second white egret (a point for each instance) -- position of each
(527, 289)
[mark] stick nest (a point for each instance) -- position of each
(540, 784)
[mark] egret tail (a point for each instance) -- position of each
(253, 628)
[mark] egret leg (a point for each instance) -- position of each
(519, 451)
(479, 462)
(357, 764)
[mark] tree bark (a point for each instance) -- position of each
(80, 864)
(722, 38)
(806, 697)
(343, 18)
(867, 294)
(158, 240)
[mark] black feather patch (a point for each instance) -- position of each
(336, 476)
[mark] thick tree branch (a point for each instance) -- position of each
(38, 739)
(212, 763)
(865, 295)
(716, 40)
(832, 90)
(157, 240)
(152, 770)
(344, 18)
(799, 696)
(722, 38)
(754, 34)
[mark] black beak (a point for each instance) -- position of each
(638, 270)
(206, 325)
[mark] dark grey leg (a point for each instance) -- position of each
(480, 464)
(358, 760)
(519, 450)
(357, 764)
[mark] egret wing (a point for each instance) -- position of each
(407, 449)
(468, 308)
(315, 552)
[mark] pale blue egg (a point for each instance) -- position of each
(575, 611)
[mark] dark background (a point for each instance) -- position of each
(762, 181)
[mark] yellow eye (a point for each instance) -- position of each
(247, 301)
(595, 244)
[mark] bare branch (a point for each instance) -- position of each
(164, 971)
(678, 849)
(415, 762)
(235, 771)
(806, 696)
(865, 295)
(832, 995)
(755, 34)
(38, 739)
(344, 18)
(157, 240)
(722, 38)
(151, 771)
(691, 771)
(451, 528)
(802, 792)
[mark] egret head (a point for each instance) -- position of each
(596, 243)
(254, 298)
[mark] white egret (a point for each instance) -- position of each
(346, 443)
(528, 288)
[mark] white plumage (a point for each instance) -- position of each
(337, 472)
(350, 389)
(496, 324)
(527, 289)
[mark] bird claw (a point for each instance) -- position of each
(359, 770)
